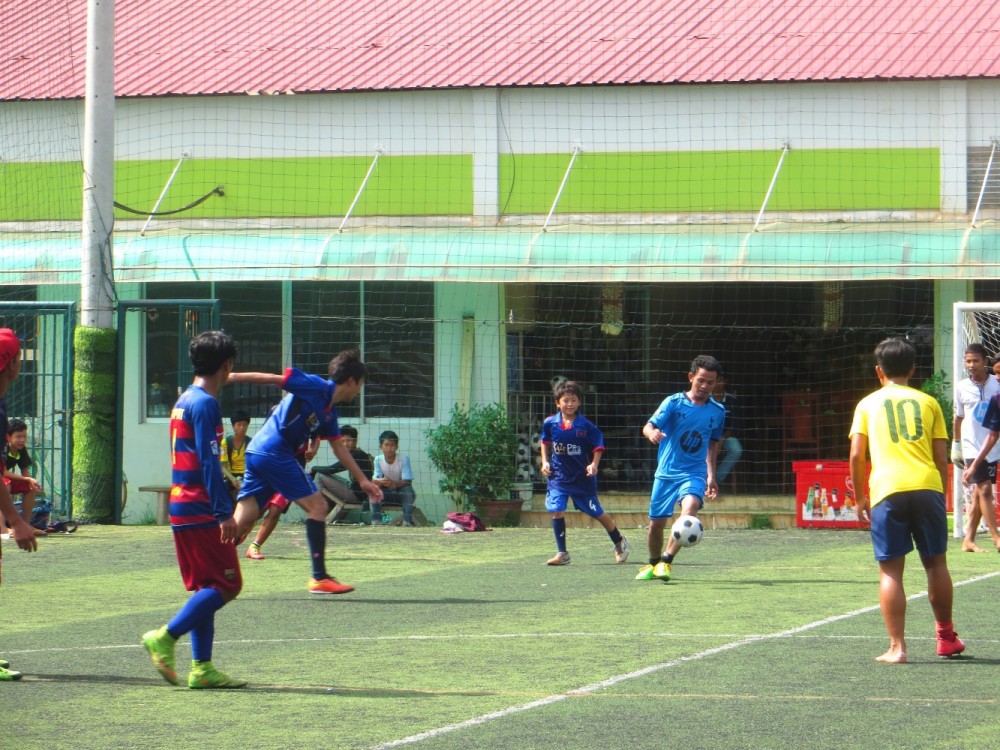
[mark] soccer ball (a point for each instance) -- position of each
(686, 531)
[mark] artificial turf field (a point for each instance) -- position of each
(764, 639)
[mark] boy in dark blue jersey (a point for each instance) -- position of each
(687, 427)
(309, 408)
(201, 517)
(572, 447)
(24, 535)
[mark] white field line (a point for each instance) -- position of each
(609, 682)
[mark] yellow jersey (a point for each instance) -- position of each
(901, 424)
(232, 457)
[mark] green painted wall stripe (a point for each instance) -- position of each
(815, 179)
(811, 180)
(399, 186)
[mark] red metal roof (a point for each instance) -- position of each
(175, 47)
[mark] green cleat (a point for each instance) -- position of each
(645, 573)
(4, 664)
(160, 645)
(9, 675)
(662, 571)
(204, 676)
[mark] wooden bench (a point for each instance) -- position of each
(340, 505)
(162, 493)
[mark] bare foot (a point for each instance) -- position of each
(892, 657)
(971, 547)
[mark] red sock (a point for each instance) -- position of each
(945, 629)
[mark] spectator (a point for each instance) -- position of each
(233, 451)
(394, 475)
(20, 482)
(324, 475)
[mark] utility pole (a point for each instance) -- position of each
(98, 167)
(94, 386)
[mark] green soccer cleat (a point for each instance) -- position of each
(4, 664)
(662, 571)
(9, 675)
(160, 645)
(204, 676)
(645, 573)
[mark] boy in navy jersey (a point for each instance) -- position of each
(687, 427)
(24, 535)
(572, 447)
(201, 517)
(309, 408)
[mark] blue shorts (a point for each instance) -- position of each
(269, 475)
(668, 492)
(905, 519)
(555, 502)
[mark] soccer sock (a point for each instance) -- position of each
(944, 628)
(667, 559)
(202, 637)
(559, 529)
(376, 512)
(616, 535)
(202, 606)
(316, 536)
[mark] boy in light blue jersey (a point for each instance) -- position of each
(572, 447)
(687, 427)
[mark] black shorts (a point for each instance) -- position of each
(985, 472)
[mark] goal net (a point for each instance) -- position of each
(974, 322)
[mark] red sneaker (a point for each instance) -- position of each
(328, 586)
(949, 645)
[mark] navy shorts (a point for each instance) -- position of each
(556, 502)
(267, 476)
(985, 472)
(907, 519)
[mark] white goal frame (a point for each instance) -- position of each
(965, 330)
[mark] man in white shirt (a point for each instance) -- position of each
(972, 396)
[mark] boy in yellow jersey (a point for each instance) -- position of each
(904, 431)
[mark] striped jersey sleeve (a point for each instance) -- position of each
(199, 497)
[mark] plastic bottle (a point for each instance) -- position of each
(824, 504)
(850, 508)
(807, 509)
(834, 502)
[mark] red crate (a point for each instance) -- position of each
(833, 477)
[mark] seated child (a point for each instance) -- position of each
(233, 451)
(18, 458)
(394, 475)
(324, 475)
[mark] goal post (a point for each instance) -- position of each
(973, 322)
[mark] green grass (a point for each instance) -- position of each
(764, 639)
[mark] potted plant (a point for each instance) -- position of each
(475, 452)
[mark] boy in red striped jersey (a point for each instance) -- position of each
(201, 517)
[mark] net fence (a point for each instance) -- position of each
(607, 234)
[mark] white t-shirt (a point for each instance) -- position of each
(398, 471)
(971, 400)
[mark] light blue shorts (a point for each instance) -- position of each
(556, 502)
(667, 493)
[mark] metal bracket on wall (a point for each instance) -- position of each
(576, 150)
(986, 179)
(770, 188)
(361, 189)
(185, 155)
